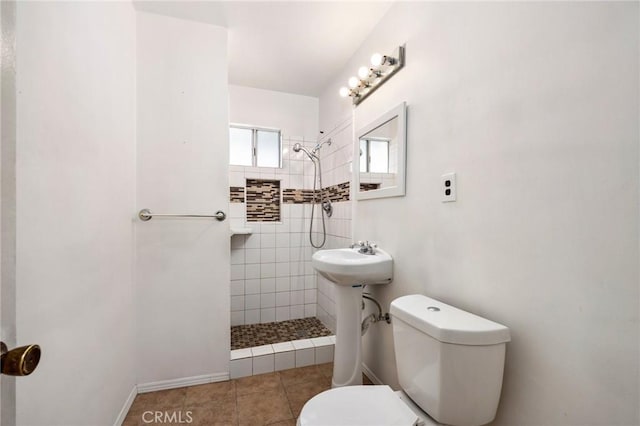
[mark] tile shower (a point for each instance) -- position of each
(272, 279)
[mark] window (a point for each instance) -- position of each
(375, 155)
(252, 146)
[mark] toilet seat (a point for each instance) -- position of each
(357, 406)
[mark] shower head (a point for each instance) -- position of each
(297, 148)
(319, 145)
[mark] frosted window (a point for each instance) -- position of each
(374, 156)
(378, 156)
(240, 146)
(268, 148)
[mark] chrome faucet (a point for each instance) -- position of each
(365, 247)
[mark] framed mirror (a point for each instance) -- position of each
(379, 159)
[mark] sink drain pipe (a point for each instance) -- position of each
(373, 318)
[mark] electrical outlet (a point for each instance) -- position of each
(448, 187)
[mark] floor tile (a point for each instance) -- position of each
(263, 408)
(215, 393)
(258, 384)
(221, 414)
(160, 400)
(326, 369)
(298, 375)
(298, 394)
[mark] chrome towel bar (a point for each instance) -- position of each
(146, 215)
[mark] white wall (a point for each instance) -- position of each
(8, 201)
(535, 107)
(75, 192)
(295, 115)
(182, 277)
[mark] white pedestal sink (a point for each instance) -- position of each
(349, 270)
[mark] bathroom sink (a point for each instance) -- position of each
(347, 267)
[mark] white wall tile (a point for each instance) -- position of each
(297, 297)
(267, 240)
(252, 301)
(324, 354)
(252, 255)
(297, 311)
(267, 285)
(237, 242)
(282, 269)
(310, 310)
(267, 255)
(240, 368)
(285, 360)
(237, 318)
(267, 300)
(305, 357)
(237, 256)
(252, 286)
(237, 287)
(283, 284)
(237, 272)
(267, 315)
(253, 240)
(237, 303)
(252, 271)
(282, 299)
(252, 316)
(283, 313)
(263, 364)
(267, 270)
(310, 296)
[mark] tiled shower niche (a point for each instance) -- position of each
(263, 200)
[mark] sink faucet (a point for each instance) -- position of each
(365, 247)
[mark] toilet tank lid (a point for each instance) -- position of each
(446, 323)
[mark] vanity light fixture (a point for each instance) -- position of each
(383, 67)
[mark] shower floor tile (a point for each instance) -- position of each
(247, 336)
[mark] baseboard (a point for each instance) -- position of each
(126, 406)
(375, 379)
(182, 382)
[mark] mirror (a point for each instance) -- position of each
(379, 158)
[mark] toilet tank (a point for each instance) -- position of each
(449, 362)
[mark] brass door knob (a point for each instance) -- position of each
(19, 361)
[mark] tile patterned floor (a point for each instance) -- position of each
(248, 336)
(274, 399)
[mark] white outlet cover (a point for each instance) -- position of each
(448, 183)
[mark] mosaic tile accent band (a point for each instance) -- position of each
(298, 196)
(369, 186)
(247, 336)
(263, 200)
(236, 194)
(263, 197)
(337, 193)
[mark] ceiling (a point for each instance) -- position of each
(294, 47)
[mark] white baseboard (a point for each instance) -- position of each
(375, 379)
(126, 407)
(182, 382)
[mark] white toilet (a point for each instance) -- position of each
(449, 363)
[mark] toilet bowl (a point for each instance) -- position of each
(450, 365)
(363, 406)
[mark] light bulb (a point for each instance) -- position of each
(344, 92)
(353, 82)
(363, 72)
(376, 59)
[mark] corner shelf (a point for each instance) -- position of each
(241, 231)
